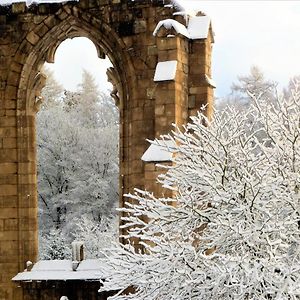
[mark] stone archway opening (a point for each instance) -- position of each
(77, 153)
(32, 82)
(123, 31)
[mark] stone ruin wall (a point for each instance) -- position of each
(123, 31)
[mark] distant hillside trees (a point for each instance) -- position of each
(254, 83)
(77, 137)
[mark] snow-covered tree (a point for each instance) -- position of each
(77, 158)
(255, 83)
(53, 245)
(52, 92)
(232, 230)
(96, 235)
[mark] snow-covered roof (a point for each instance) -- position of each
(165, 70)
(159, 151)
(29, 2)
(197, 28)
(88, 269)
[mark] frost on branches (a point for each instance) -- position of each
(77, 168)
(234, 230)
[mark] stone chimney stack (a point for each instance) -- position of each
(77, 254)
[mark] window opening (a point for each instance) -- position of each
(78, 156)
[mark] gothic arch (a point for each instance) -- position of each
(32, 81)
(104, 38)
(123, 31)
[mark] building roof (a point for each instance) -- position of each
(88, 269)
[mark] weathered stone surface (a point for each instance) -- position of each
(123, 30)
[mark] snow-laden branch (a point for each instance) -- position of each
(233, 232)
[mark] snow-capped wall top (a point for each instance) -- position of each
(210, 81)
(169, 24)
(30, 2)
(165, 70)
(198, 27)
(177, 4)
(159, 151)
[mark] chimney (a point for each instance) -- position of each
(77, 254)
(29, 265)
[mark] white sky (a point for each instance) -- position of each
(72, 56)
(264, 33)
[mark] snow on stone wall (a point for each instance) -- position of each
(169, 24)
(159, 151)
(165, 70)
(197, 28)
(30, 2)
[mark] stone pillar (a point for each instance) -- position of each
(9, 180)
(201, 86)
(123, 30)
(171, 95)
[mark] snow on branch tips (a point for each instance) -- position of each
(234, 231)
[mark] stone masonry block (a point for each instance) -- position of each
(152, 50)
(9, 143)
(8, 236)
(8, 132)
(50, 21)
(13, 79)
(11, 224)
(164, 44)
(8, 121)
(8, 168)
(8, 179)
(11, 93)
(27, 179)
(32, 38)
(8, 247)
(29, 223)
(10, 104)
(8, 202)
(27, 168)
(8, 189)
(8, 213)
(18, 8)
(8, 155)
(160, 110)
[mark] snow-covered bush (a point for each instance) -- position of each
(53, 245)
(232, 231)
(96, 235)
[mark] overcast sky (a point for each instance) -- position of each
(263, 33)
